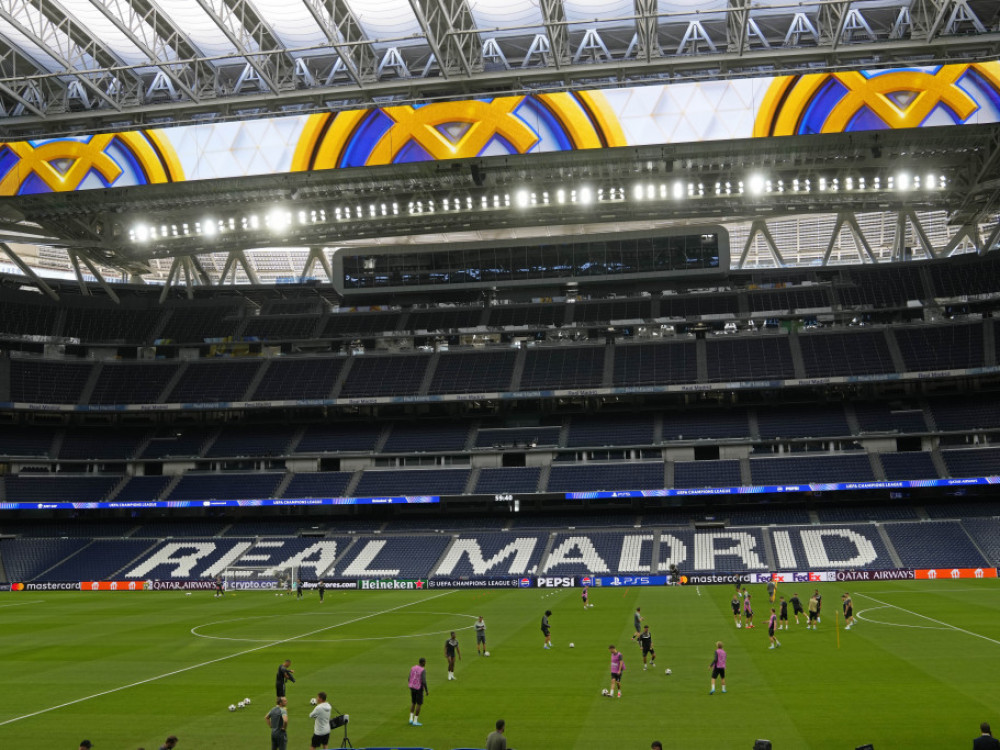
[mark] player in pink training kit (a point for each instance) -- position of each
(617, 667)
(418, 689)
(771, 623)
(718, 667)
(747, 612)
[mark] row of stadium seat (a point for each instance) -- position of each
(968, 543)
(562, 477)
(648, 429)
(552, 367)
(141, 321)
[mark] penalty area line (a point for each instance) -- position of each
(947, 625)
(199, 665)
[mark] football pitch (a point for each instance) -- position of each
(125, 670)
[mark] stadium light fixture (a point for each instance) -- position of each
(638, 192)
(586, 196)
(522, 198)
(756, 183)
(903, 181)
(678, 190)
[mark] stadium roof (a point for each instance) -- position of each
(75, 67)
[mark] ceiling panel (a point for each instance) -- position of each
(291, 22)
(389, 23)
(510, 18)
(101, 28)
(199, 28)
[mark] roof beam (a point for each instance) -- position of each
(169, 42)
(254, 41)
(454, 52)
(94, 66)
(556, 28)
(346, 36)
(22, 71)
(134, 23)
(646, 30)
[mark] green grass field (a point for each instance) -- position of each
(125, 670)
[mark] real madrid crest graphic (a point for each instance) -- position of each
(104, 160)
(879, 100)
(456, 130)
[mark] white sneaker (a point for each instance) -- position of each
(770, 647)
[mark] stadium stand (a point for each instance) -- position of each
(934, 544)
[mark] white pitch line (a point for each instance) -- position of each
(211, 661)
(21, 604)
(939, 622)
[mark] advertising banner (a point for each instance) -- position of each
(895, 574)
(331, 584)
(930, 574)
(473, 583)
(392, 584)
(112, 585)
(50, 586)
(601, 581)
(763, 107)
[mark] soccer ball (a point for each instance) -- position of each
(241, 704)
(312, 701)
(232, 706)
(486, 654)
(667, 672)
(605, 692)
(246, 701)
(572, 645)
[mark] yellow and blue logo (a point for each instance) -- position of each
(457, 130)
(96, 161)
(879, 100)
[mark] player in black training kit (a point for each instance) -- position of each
(451, 649)
(783, 615)
(285, 674)
(796, 607)
(646, 642)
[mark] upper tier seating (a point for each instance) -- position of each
(879, 417)
(357, 324)
(101, 443)
(624, 475)
(473, 372)
(375, 375)
(749, 358)
(811, 469)
(690, 474)
(132, 382)
(444, 318)
(655, 364)
(288, 379)
(915, 465)
(941, 347)
(844, 546)
(193, 324)
(318, 484)
(48, 488)
(833, 354)
(512, 437)
(706, 424)
(610, 430)
(249, 440)
(430, 437)
(212, 381)
(48, 381)
(963, 414)
(508, 479)
(605, 311)
(563, 368)
(972, 462)
(376, 483)
(347, 437)
(801, 421)
(225, 486)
